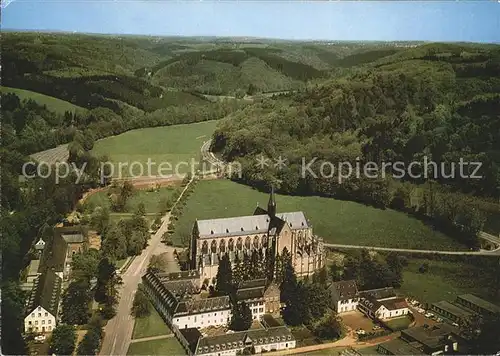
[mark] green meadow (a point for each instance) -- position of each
(54, 104)
(337, 221)
(170, 146)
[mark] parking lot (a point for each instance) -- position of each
(356, 320)
(419, 315)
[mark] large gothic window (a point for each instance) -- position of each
(256, 242)
(247, 243)
(213, 247)
(264, 241)
(204, 247)
(239, 244)
(230, 245)
(222, 246)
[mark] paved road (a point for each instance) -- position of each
(490, 238)
(118, 331)
(209, 155)
(482, 252)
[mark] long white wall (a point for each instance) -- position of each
(203, 320)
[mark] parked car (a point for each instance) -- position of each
(429, 315)
(376, 327)
(40, 338)
(439, 320)
(455, 324)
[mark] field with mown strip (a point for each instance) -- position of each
(336, 221)
(52, 155)
(170, 145)
(150, 199)
(444, 280)
(53, 104)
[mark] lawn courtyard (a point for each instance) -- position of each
(152, 325)
(337, 221)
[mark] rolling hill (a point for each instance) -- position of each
(54, 104)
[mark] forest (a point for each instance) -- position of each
(435, 101)
(375, 101)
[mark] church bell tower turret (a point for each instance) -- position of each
(271, 205)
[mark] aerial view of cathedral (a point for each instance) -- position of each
(265, 229)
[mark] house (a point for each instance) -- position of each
(260, 297)
(383, 309)
(398, 347)
(451, 311)
(255, 341)
(31, 275)
(393, 308)
(59, 250)
(272, 299)
(344, 296)
(379, 293)
(478, 305)
(369, 307)
(433, 340)
(202, 313)
(190, 275)
(173, 300)
(43, 303)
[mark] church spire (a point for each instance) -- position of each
(271, 205)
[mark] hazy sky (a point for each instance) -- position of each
(477, 20)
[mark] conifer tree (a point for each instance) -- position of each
(289, 283)
(241, 318)
(224, 277)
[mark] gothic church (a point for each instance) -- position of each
(263, 230)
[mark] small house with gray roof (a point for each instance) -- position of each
(398, 347)
(435, 339)
(59, 250)
(344, 296)
(478, 305)
(43, 303)
(261, 297)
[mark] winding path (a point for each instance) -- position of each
(375, 248)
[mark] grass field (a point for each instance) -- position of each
(151, 200)
(53, 104)
(152, 325)
(443, 281)
(336, 221)
(169, 145)
(168, 346)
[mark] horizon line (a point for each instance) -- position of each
(55, 31)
